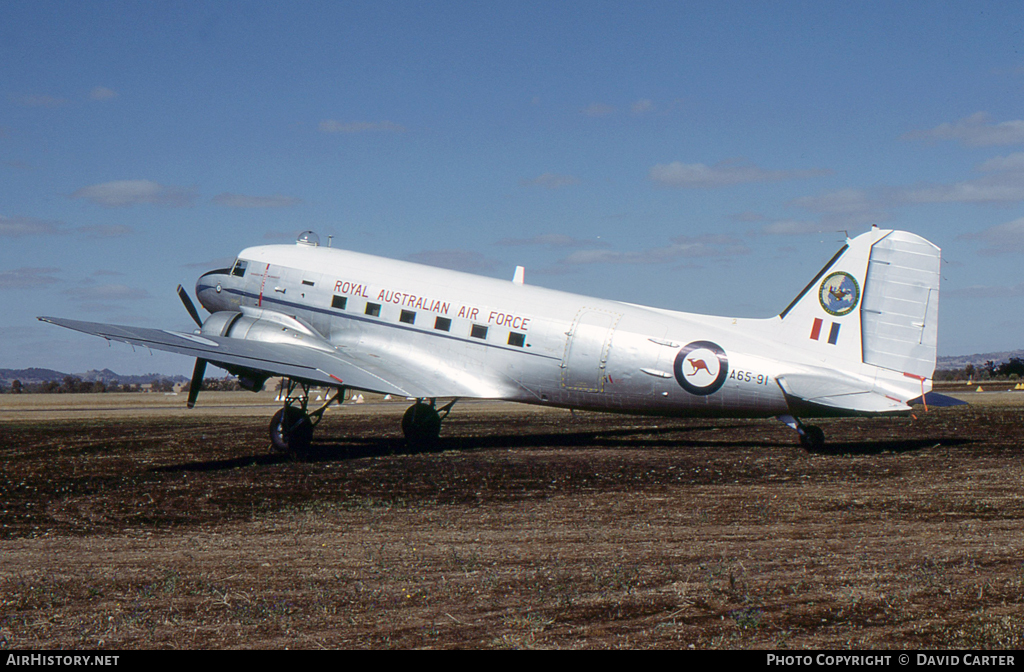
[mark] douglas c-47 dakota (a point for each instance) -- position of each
(860, 339)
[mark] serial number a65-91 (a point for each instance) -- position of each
(749, 377)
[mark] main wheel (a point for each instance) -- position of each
(421, 426)
(812, 439)
(291, 431)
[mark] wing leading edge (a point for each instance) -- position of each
(278, 359)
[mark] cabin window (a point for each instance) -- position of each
(478, 331)
(239, 268)
(339, 302)
(308, 283)
(407, 316)
(516, 339)
(443, 324)
(373, 309)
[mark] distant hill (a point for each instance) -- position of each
(34, 375)
(960, 361)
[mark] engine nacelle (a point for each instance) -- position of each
(267, 326)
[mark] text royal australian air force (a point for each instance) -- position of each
(431, 304)
(355, 276)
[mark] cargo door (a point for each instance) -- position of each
(586, 350)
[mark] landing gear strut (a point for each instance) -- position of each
(291, 428)
(421, 424)
(811, 437)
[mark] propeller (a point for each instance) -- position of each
(189, 306)
(197, 382)
(200, 370)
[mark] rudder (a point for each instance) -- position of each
(875, 302)
(900, 308)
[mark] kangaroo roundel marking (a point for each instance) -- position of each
(839, 293)
(701, 367)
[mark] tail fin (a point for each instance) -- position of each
(875, 304)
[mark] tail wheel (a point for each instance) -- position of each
(421, 426)
(291, 431)
(812, 438)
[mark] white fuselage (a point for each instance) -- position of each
(513, 341)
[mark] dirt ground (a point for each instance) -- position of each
(136, 524)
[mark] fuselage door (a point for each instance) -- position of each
(586, 350)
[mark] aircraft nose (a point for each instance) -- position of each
(210, 289)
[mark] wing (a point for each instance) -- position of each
(318, 366)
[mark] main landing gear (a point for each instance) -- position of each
(421, 424)
(291, 428)
(811, 437)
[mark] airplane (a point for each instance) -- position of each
(860, 340)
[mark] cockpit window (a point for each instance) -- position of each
(239, 268)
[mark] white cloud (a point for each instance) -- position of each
(456, 260)
(28, 278)
(243, 201)
(1004, 182)
(976, 130)
(37, 100)
(1005, 238)
(846, 209)
(641, 106)
(1001, 292)
(598, 110)
(680, 247)
(16, 164)
(555, 240)
(839, 210)
(334, 126)
(996, 188)
(110, 292)
(134, 192)
(106, 230)
(724, 173)
(218, 262)
(795, 227)
(748, 216)
(102, 93)
(844, 201)
(290, 236)
(550, 181)
(17, 227)
(1012, 162)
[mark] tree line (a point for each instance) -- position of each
(1009, 370)
(75, 385)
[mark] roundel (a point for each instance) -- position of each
(701, 367)
(839, 293)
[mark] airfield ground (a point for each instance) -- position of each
(128, 522)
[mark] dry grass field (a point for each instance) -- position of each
(133, 523)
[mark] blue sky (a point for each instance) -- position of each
(704, 157)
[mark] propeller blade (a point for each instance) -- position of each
(189, 306)
(197, 382)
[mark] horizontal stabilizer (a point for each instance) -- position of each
(937, 400)
(807, 393)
